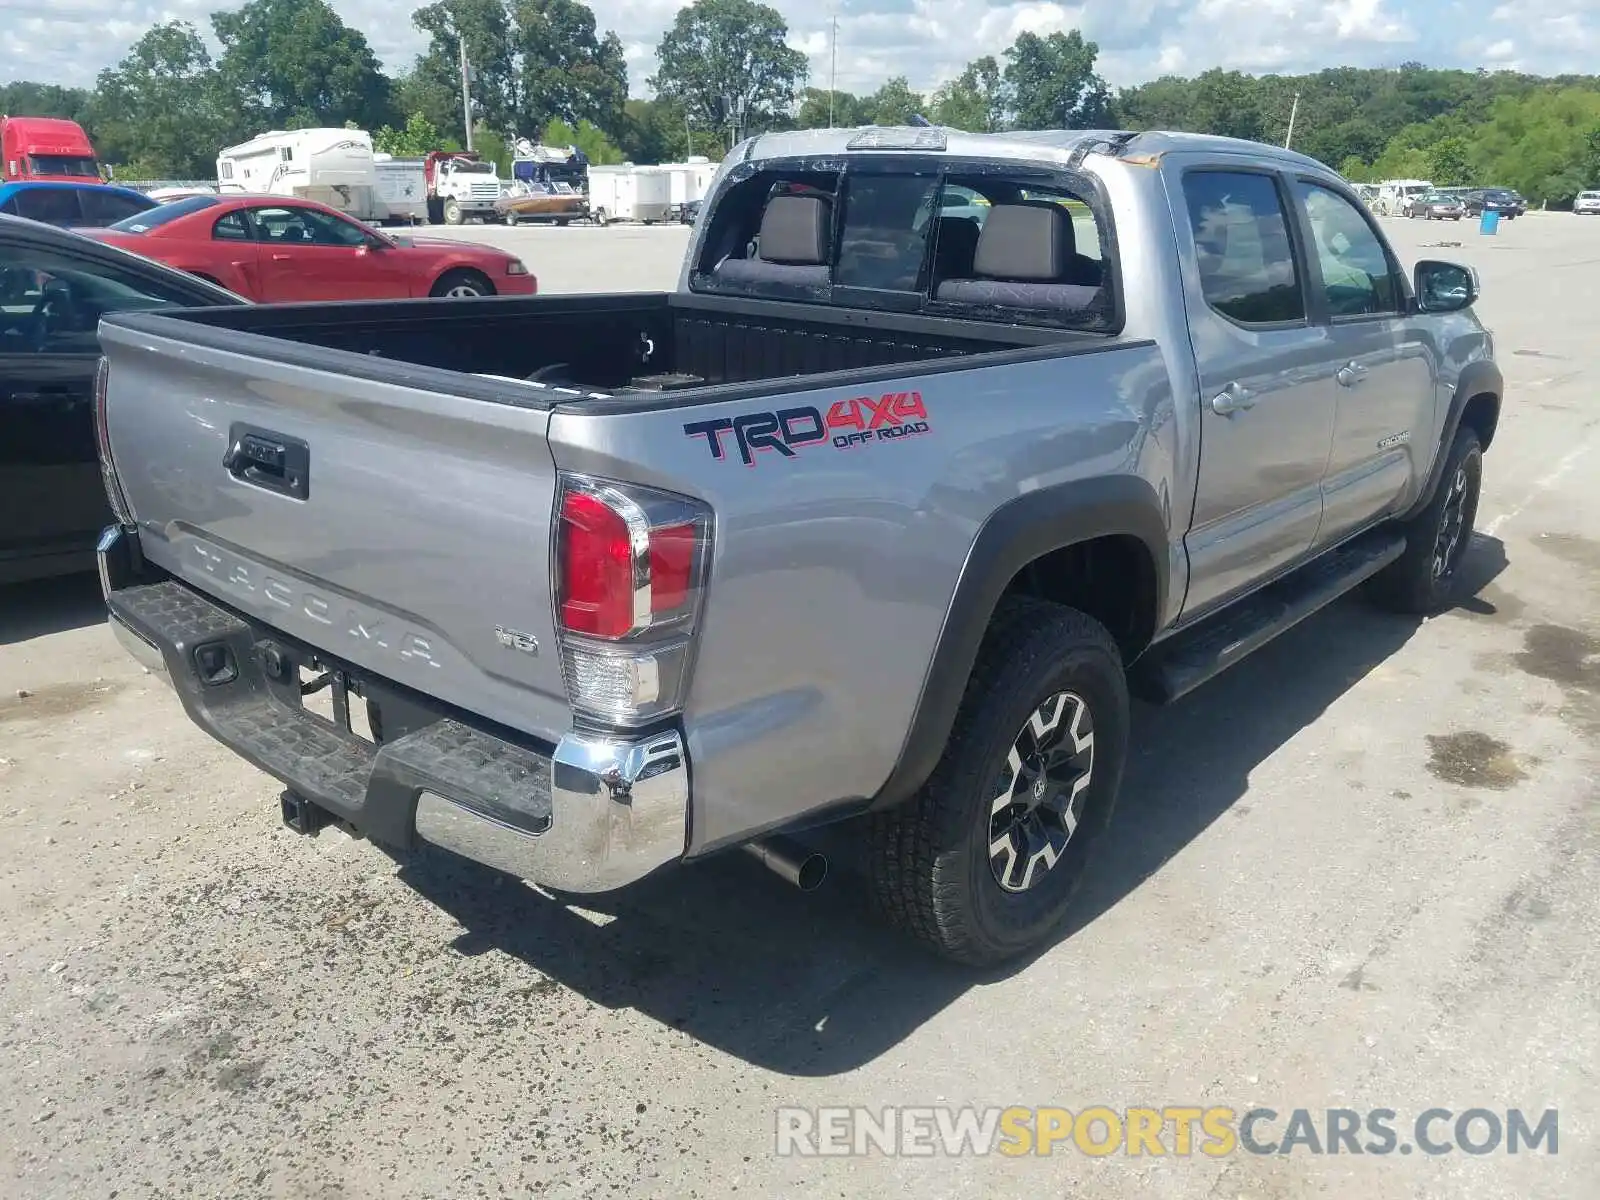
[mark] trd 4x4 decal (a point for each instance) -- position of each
(849, 423)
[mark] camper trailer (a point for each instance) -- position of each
(401, 188)
(334, 166)
(687, 181)
(629, 193)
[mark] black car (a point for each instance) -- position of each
(1506, 202)
(54, 286)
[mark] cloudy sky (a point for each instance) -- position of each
(68, 41)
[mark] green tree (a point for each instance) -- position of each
(586, 136)
(434, 86)
(1355, 170)
(1052, 83)
(1226, 103)
(975, 100)
(568, 70)
(845, 110)
(727, 63)
(27, 98)
(1541, 143)
(294, 63)
(531, 62)
(160, 113)
(894, 103)
(1450, 160)
(417, 138)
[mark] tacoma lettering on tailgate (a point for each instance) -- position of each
(251, 582)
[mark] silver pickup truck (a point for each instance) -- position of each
(944, 446)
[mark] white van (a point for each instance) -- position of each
(1395, 194)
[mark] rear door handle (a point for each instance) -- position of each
(281, 257)
(1231, 399)
(1350, 374)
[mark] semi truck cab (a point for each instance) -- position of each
(46, 148)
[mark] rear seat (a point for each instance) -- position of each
(1027, 258)
(793, 247)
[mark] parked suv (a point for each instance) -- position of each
(1587, 204)
(1507, 203)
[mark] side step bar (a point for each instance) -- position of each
(1186, 660)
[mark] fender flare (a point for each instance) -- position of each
(1018, 532)
(1478, 378)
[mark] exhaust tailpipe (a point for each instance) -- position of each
(803, 867)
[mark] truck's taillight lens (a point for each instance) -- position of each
(102, 437)
(630, 570)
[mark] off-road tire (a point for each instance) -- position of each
(1411, 584)
(929, 858)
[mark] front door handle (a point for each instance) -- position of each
(1231, 399)
(281, 257)
(1350, 374)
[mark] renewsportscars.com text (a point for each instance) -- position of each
(1178, 1130)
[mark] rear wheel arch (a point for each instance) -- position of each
(1041, 544)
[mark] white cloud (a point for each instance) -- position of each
(69, 41)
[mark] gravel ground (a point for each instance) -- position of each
(1358, 871)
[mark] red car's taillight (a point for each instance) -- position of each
(630, 570)
(102, 437)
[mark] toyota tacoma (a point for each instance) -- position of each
(943, 447)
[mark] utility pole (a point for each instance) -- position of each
(833, 67)
(466, 94)
(1294, 111)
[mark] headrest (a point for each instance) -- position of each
(795, 229)
(1025, 243)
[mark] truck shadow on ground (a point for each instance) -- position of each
(809, 984)
(46, 606)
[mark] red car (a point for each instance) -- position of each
(275, 249)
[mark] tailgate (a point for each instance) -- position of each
(402, 530)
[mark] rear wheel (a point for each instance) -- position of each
(601, 217)
(462, 283)
(983, 862)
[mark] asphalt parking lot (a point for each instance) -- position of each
(1360, 871)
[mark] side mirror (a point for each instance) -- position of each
(374, 242)
(1444, 286)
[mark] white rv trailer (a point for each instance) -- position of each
(629, 193)
(334, 166)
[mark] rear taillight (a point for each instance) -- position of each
(102, 436)
(630, 570)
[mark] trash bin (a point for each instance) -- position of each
(1489, 223)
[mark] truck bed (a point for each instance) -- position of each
(541, 351)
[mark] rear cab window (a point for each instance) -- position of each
(1243, 250)
(989, 240)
